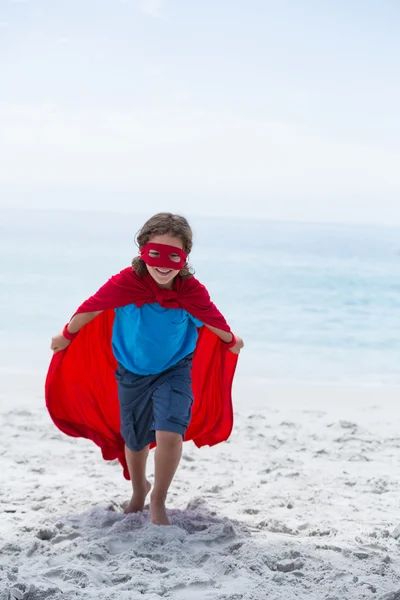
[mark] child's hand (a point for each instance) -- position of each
(238, 346)
(59, 342)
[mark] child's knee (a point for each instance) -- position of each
(168, 438)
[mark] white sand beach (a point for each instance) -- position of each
(302, 502)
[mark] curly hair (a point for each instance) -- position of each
(161, 224)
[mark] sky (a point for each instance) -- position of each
(268, 109)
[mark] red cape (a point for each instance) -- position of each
(81, 390)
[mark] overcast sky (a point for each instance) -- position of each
(281, 109)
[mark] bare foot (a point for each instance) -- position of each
(158, 513)
(136, 503)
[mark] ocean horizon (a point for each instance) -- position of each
(314, 302)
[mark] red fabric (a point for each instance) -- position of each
(163, 260)
(71, 336)
(81, 390)
(128, 288)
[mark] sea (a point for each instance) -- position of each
(314, 303)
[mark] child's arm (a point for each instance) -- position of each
(59, 341)
(227, 338)
(78, 321)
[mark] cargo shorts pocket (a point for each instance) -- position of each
(181, 401)
(128, 426)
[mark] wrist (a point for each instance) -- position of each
(67, 334)
(230, 344)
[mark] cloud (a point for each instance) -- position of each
(153, 8)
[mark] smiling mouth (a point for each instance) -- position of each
(164, 272)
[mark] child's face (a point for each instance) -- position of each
(165, 277)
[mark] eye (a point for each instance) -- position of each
(175, 257)
(154, 254)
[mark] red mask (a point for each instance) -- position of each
(168, 257)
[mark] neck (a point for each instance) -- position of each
(166, 286)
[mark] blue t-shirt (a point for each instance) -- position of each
(151, 339)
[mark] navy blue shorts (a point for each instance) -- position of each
(150, 403)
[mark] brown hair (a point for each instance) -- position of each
(161, 224)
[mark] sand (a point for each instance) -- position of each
(301, 502)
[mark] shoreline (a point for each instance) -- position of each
(31, 382)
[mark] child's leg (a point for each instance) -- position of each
(137, 470)
(172, 407)
(167, 457)
(136, 413)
